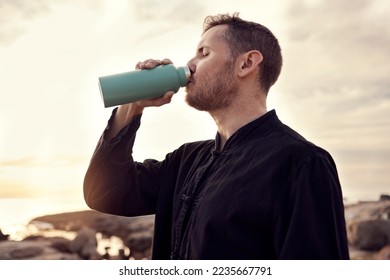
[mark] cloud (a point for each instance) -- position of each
(172, 12)
(335, 84)
(16, 14)
(165, 21)
(339, 43)
(13, 15)
(336, 61)
(53, 161)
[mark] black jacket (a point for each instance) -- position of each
(270, 194)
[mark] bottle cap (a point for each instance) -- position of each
(187, 71)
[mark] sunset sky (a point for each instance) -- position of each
(334, 88)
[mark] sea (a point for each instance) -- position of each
(16, 215)
(18, 212)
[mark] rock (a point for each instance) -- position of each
(122, 255)
(141, 224)
(71, 221)
(369, 235)
(124, 228)
(3, 236)
(108, 225)
(31, 250)
(384, 253)
(139, 241)
(85, 244)
(61, 244)
(356, 254)
(140, 244)
(139, 238)
(136, 233)
(26, 253)
(370, 210)
(384, 197)
(368, 226)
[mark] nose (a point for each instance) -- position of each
(192, 65)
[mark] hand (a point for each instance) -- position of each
(152, 63)
(159, 101)
(127, 112)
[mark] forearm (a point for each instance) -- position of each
(114, 183)
(124, 115)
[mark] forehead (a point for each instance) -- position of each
(214, 37)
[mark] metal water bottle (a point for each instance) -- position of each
(135, 85)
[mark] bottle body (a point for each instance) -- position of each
(136, 85)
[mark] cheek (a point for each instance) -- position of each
(205, 70)
(200, 67)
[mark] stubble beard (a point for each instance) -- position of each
(213, 92)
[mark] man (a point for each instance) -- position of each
(258, 191)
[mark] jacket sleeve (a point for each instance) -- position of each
(312, 226)
(114, 183)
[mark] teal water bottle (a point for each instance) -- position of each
(136, 85)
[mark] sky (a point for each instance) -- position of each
(334, 88)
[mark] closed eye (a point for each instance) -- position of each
(203, 51)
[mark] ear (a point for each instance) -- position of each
(249, 62)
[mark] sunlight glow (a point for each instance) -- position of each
(333, 87)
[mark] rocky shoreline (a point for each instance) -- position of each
(368, 225)
(135, 233)
(368, 228)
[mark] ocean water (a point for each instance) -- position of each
(16, 213)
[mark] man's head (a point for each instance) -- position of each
(233, 55)
(243, 36)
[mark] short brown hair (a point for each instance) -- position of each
(243, 36)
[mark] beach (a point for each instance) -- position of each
(115, 237)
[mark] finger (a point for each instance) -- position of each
(152, 63)
(142, 64)
(165, 99)
(168, 96)
(166, 61)
(158, 101)
(138, 65)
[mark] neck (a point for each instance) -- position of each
(230, 119)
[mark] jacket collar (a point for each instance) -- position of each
(257, 127)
